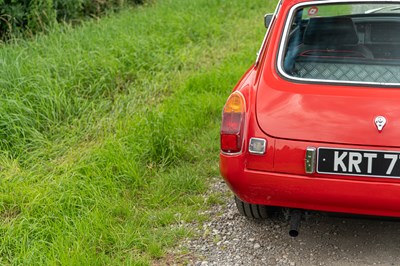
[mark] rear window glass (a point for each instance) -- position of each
(345, 43)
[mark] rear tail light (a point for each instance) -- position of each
(233, 124)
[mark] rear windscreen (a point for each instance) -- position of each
(356, 43)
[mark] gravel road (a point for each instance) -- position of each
(230, 239)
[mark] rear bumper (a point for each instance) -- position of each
(310, 192)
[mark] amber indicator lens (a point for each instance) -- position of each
(232, 124)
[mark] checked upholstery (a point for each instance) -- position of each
(347, 72)
(331, 50)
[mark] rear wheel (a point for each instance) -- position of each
(254, 211)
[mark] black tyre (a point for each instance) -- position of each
(252, 210)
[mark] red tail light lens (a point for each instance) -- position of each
(233, 124)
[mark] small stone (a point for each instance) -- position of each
(257, 246)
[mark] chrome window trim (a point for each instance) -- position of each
(285, 34)
(278, 6)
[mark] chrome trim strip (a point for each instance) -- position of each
(309, 161)
(285, 35)
(231, 154)
(278, 6)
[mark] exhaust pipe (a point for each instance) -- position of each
(295, 218)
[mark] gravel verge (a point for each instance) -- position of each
(227, 238)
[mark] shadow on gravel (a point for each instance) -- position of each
(334, 239)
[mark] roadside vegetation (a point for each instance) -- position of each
(109, 131)
(25, 18)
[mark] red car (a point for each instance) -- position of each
(314, 124)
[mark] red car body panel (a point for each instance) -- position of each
(292, 116)
(311, 193)
(345, 115)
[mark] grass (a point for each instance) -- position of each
(109, 131)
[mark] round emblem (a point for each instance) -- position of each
(313, 11)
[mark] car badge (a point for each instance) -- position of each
(380, 122)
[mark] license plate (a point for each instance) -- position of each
(358, 162)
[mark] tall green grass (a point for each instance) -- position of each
(109, 131)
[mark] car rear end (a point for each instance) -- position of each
(315, 123)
